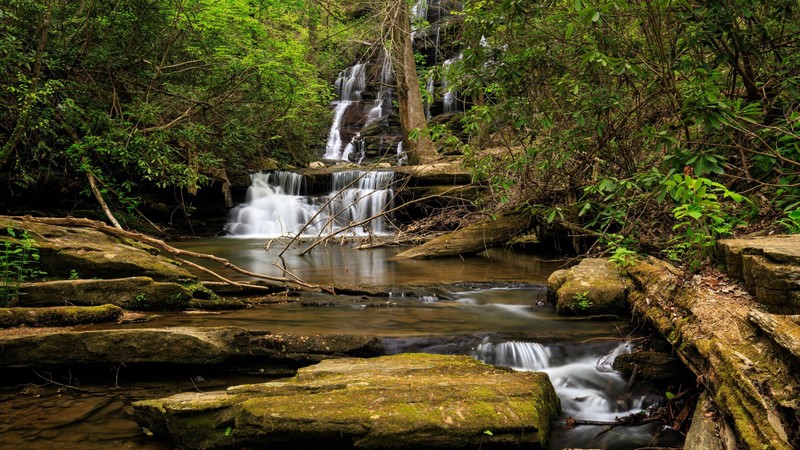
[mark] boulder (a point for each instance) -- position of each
(69, 251)
(655, 367)
(179, 345)
(593, 287)
(769, 267)
(138, 293)
(403, 401)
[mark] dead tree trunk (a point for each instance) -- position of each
(473, 238)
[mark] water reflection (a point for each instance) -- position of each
(342, 264)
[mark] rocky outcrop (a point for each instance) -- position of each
(708, 322)
(139, 293)
(593, 287)
(66, 252)
(403, 401)
(769, 267)
(186, 346)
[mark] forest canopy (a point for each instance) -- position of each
(599, 114)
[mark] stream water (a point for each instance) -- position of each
(492, 307)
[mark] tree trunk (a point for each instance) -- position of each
(397, 35)
(473, 238)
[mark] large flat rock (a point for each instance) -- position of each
(407, 401)
(178, 345)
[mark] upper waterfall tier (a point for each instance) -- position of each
(277, 205)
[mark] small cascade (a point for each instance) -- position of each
(450, 102)
(588, 387)
(276, 205)
(349, 86)
(382, 106)
(517, 355)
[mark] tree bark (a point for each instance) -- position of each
(397, 36)
(471, 239)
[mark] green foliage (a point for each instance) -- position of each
(791, 223)
(73, 275)
(581, 302)
(599, 104)
(700, 215)
(19, 257)
(158, 93)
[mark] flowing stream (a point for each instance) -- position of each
(492, 307)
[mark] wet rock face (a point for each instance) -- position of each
(593, 287)
(402, 401)
(769, 267)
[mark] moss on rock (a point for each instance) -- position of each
(58, 316)
(401, 401)
(593, 287)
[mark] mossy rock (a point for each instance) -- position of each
(138, 293)
(65, 251)
(58, 316)
(593, 287)
(404, 401)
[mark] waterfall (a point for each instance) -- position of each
(276, 205)
(382, 106)
(449, 100)
(586, 385)
(349, 86)
(518, 355)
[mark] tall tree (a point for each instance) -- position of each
(396, 30)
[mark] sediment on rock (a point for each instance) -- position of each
(402, 401)
(139, 293)
(58, 316)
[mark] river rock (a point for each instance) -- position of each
(180, 345)
(404, 401)
(655, 367)
(769, 267)
(66, 252)
(593, 287)
(138, 293)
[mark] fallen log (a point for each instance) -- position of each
(474, 238)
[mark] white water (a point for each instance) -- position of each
(588, 387)
(349, 86)
(450, 97)
(382, 106)
(275, 205)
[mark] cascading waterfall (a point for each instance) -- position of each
(588, 387)
(276, 205)
(382, 106)
(449, 99)
(349, 86)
